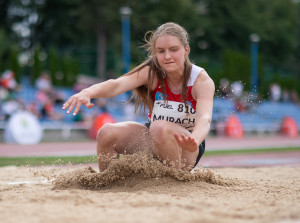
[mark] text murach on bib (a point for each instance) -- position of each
(177, 112)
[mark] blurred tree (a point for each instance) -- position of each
(294, 62)
(213, 25)
(3, 48)
(148, 15)
(236, 66)
(233, 21)
(37, 66)
(53, 65)
(69, 70)
(57, 25)
(13, 64)
(90, 22)
(8, 46)
(3, 13)
(99, 22)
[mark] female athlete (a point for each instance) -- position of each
(177, 93)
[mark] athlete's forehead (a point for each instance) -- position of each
(167, 41)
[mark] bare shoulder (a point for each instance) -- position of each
(204, 80)
(203, 85)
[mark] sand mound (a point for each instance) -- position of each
(132, 170)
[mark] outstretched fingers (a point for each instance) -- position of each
(77, 108)
(186, 142)
(76, 101)
(178, 139)
(71, 104)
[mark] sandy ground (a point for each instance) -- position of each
(139, 189)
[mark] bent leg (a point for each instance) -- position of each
(120, 138)
(165, 146)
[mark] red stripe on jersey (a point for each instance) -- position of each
(174, 97)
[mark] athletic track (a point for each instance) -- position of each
(282, 158)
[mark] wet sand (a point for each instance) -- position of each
(139, 189)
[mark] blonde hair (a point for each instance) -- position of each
(142, 94)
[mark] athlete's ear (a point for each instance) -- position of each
(187, 50)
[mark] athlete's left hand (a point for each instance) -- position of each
(186, 143)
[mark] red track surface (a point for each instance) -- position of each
(290, 158)
(212, 143)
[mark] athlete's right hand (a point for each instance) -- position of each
(75, 101)
(186, 142)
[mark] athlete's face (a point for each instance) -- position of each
(170, 53)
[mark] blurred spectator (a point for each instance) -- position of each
(8, 101)
(43, 83)
(82, 83)
(78, 86)
(8, 80)
(129, 108)
(237, 89)
(275, 92)
(285, 95)
(33, 108)
(294, 97)
(240, 105)
(44, 87)
(224, 88)
(11, 106)
(58, 98)
(48, 111)
(42, 97)
(3, 93)
(47, 98)
(101, 104)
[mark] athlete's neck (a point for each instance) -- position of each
(175, 83)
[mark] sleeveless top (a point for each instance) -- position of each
(173, 109)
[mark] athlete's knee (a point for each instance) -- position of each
(106, 134)
(159, 131)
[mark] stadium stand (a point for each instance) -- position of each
(260, 118)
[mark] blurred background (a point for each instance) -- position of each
(51, 49)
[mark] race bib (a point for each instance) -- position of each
(177, 112)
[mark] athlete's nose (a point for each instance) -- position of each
(167, 55)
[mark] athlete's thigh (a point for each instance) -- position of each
(131, 137)
(160, 126)
(189, 158)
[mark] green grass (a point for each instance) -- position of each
(46, 160)
(249, 151)
(51, 160)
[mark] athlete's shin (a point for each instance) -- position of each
(105, 147)
(165, 146)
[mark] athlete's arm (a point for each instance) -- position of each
(107, 89)
(203, 90)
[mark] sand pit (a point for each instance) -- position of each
(143, 190)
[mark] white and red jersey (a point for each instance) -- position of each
(173, 109)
